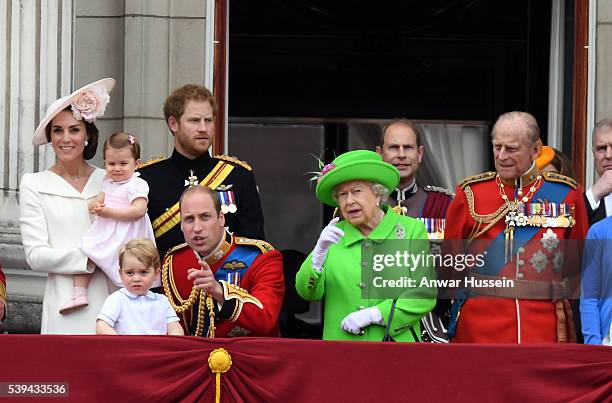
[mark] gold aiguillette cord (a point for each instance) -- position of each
(508, 243)
(209, 306)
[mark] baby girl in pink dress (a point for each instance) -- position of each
(121, 215)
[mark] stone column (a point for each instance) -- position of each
(150, 47)
(603, 73)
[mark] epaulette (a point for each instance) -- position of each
(152, 161)
(439, 189)
(262, 245)
(477, 178)
(176, 249)
(555, 177)
(234, 160)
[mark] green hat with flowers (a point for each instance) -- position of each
(355, 165)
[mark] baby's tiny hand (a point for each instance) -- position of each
(100, 209)
(91, 205)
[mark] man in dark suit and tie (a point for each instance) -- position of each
(598, 199)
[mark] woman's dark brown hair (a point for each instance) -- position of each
(92, 137)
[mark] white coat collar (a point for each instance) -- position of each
(54, 184)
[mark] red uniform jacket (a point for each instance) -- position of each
(3, 294)
(251, 272)
(499, 318)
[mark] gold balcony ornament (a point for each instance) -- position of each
(219, 362)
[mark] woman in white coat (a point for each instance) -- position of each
(53, 204)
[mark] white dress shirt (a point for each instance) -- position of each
(128, 313)
(595, 204)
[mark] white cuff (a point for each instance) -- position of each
(594, 204)
(377, 318)
(318, 259)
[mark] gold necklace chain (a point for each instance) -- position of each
(515, 215)
(524, 199)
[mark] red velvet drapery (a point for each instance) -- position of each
(169, 369)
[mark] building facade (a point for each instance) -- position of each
(50, 47)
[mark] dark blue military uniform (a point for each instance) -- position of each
(231, 178)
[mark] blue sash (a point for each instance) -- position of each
(242, 256)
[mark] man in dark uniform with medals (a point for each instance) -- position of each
(190, 112)
(217, 278)
(400, 145)
(519, 220)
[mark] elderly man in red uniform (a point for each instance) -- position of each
(232, 282)
(519, 219)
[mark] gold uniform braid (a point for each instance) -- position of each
(185, 304)
(488, 219)
(205, 301)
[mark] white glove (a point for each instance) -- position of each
(354, 322)
(329, 236)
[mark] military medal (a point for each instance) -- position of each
(441, 227)
(515, 215)
(233, 278)
(192, 180)
(426, 223)
(231, 207)
(223, 199)
(521, 219)
(432, 230)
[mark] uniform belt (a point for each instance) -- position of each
(524, 289)
(554, 291)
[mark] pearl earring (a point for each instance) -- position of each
(86, 143)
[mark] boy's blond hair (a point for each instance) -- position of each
(142, 249)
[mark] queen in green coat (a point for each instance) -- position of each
(346, 268)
